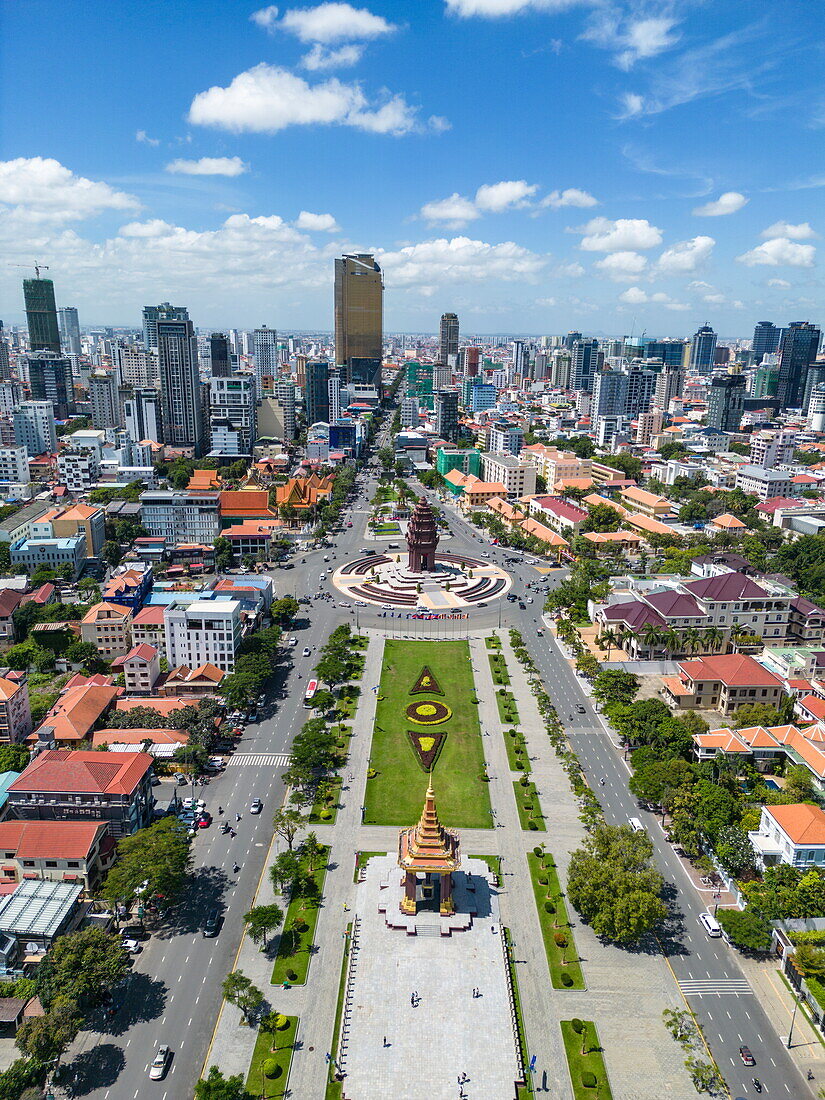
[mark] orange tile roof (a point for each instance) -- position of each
(143, 651)
(162, 706)
(49, 839)
(727, 521)
(137, 736)
(803, 823)
(7, 688)
(85, 772)
(95, 613)
(733, 669)
(76, 711)
(149, 616)
(652, 526)
(250, 503)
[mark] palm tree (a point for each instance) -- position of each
(608, 639)
(628, 637)
(672, 640)
(652, 636)
(690, 640)
(712, 637)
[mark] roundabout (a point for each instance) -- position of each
(421, 579)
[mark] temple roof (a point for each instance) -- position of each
(428, 846)
(422, 529)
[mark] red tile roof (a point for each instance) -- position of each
(85, 772)
(733, 669)
(149, 616)
(726, 587)
(143, 651)
(49, 839)
(803, 823)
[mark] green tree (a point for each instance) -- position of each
(261, 920)
(223, 553)
(45, 1038)
(284, 611)
(615, 685)
(217, 1087)
(734, 849)
(14, 758)
(286, 824)
(601, 517)
(81, 967)
(154, 860)
(112, 553)
(745, 929)
(809, 960)
(241, 992)
(285, 872)
(612, 885)
(332, 670)
(756, 714)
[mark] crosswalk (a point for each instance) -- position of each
(715, 987)
(260, 759)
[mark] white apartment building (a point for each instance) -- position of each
(34, 427)
(79, 470)
(770, 449)
(137, 367)
(505, 439)
(409, 412)
(11, 394)
(764, 483)
(285, 395)
(232, 415)
(15, 482)
(516, 475)
(204, 632)
(181, 515)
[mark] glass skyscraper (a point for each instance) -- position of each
(41, 315)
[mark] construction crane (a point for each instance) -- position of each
(37, 268)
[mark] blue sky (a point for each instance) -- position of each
(535, 165)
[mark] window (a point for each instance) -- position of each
(72, 863)
(28, 863)
(51, 862)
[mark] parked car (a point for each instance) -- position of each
(132, 946)
(157, 1070)
(293, 642)
(179, 778)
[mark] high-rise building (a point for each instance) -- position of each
(472, 358)
(41, 315)
(359, 309)
(150, 321)
(142, 416)
(50, 379)
(285, 394)
(69, 327)
(560, 369)
(446, 415)
(334, 387)
(136, 366)
(815, 377)
(316, 394)
(232, 426)
(765, 340)
(104, 401)
(726, 401)
(571, 338)
(816, 409)
(641, 386)
(220, 359)
(702, 349)
(584, 364)
(766, 378)
(671, 352)
(668, 386)
(267, 364)
(609, 393)
(5, 369)
(448, 340)
(442, 376)
(409, 412)
(180, 381)
(34, 427)
(800, 344)
(519, 359)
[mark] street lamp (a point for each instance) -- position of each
(796, 1003)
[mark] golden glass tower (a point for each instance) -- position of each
(359, 308)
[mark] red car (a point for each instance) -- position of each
(204, 821)
(746, 1056)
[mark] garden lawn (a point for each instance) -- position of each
(516, 750)
(294, 948)
(591, 1062)
(395, 796)
(507, 709)
(555, 922)
(319, 805)
(256, 1083)
(527, 816)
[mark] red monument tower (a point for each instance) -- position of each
(422, 538)
(430, 848)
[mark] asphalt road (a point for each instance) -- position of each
(174, 994)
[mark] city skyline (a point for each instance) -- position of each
(590, 191)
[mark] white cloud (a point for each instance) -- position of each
(634, 39)
(41, 189)
(622, 265)
(334, 22)
(800, 232)
(495, 9)
(780, 252)
(625, 234)
(144, 138)
(783, 283)
(635, 296)
(545, 301)
(729, 203)
(156, 227)
(208, 166)
(321, 223)
(632, 105)
(454, 211)
(265, 17)
(572, 270)
(320, 59)
(496, 197)
(714, 299)
(459, 260)
(686, 256)
(571, 196)
(266, 99)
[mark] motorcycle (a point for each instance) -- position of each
(757, 1084)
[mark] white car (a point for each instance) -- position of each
(256, 806)
(157, 1070)
(306, 651)
(132, 946)
(293, 642)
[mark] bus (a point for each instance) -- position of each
(312, 687)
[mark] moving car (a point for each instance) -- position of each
(746, 1056)
(157, 1070)
(211, 924)
(710, 925)
(305, 652)
(293, 642)
(256, 806)
(580, 709)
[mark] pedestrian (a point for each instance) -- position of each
(237, 817)
(412, 1000)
